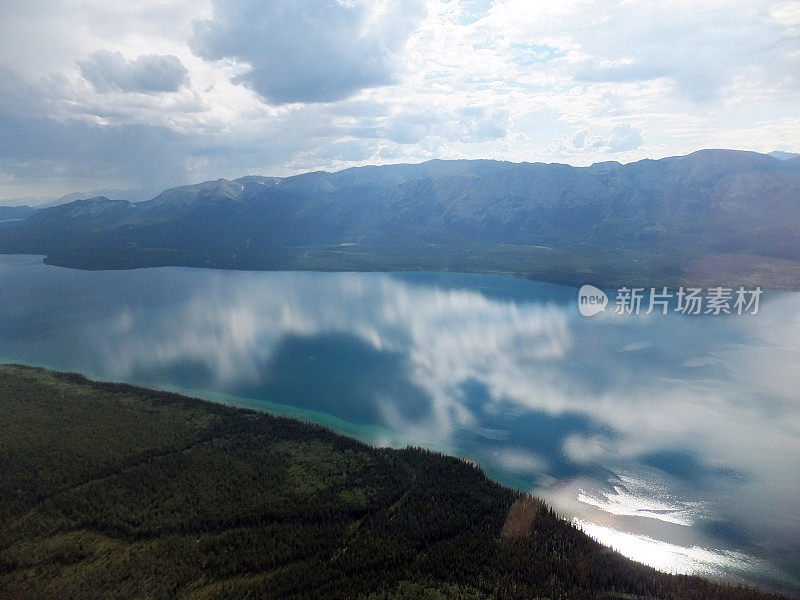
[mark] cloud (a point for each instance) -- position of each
(308, 52)
(281, 87)
(86, 155)
(622, 138)
(699, 49)
(45, 149)
(149, 73)
(621, 73)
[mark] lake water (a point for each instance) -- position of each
(674, 439)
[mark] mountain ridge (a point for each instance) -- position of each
(645, 222)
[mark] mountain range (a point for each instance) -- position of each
(713, 217)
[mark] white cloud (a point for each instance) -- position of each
(282, 87)
(621, 138)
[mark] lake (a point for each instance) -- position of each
(673, 438)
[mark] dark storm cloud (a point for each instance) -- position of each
(308, 52)
(149, 73)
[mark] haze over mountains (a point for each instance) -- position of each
(711, 217)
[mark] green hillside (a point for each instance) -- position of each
(112, 491)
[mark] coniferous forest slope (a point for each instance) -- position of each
(712, 217)
(111, 491)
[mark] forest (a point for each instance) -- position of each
(113, 491)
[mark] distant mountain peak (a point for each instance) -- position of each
(781, 155)
(91, 207)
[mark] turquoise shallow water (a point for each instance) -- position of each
(675, 439)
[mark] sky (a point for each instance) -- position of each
(145, 95)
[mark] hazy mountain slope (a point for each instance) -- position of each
(12, 213)
(110, 491)
(783, 155)
(645, 222)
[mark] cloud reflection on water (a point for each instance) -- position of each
(681, 430)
